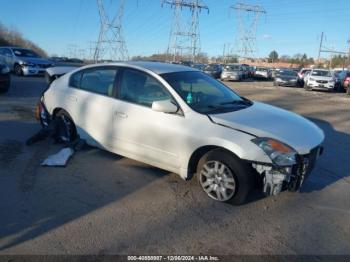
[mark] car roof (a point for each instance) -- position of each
(156, 67)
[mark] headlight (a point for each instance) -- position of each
(28, 64)
(5, 70)
(279, 153)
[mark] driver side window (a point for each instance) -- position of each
(139, 88)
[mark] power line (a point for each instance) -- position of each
(247, 17)
(184, 40)
(111, 44)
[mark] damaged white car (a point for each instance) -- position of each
(181, 120)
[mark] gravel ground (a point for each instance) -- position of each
(102, 203)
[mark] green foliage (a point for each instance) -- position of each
(273, 56)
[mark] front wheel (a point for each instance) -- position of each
(306, 87)
(224, 177)
(18, 70)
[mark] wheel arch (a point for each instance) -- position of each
(199, 153)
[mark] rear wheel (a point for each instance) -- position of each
(65, 128)
(224, 177)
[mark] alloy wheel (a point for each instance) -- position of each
(217, 181)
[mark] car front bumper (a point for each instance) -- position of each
(321, 86)
(230, 77)
(29, 70)
(277, 179)
(286, 83)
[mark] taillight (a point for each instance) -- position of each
(38, 110)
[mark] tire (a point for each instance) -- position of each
(231, 175)
(306, 87)
(65, 130)
(18, 70)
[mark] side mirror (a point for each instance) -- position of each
(165, 106)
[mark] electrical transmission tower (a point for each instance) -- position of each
(111, 44)
(247, 17)
(184, 38)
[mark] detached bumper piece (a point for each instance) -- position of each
(277, 179)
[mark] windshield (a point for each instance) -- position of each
(261, 69)
(321, 73)
(24, 53)
(205, 94)
(287, 73)
(232, 68)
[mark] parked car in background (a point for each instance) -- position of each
(24, 61)
(5, 78)
(320, 79)
(232, 72)
(245, 70)
(263, 72)
(224, 140)
(301, 75)
(199, 66)
(213, 70)
(344, 79)
(286, 77)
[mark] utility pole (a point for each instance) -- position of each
(184, 35)
(111, 44)
(319, 50)
(247, 18)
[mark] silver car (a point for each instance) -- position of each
(23, 61)
(232, 72)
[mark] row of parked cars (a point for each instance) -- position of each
(337, 80)
(232, 72)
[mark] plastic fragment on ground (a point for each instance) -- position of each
(59, 159)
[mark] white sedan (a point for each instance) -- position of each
(181, 120)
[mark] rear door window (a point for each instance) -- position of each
(96, 80)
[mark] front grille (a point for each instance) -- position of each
(322, 81)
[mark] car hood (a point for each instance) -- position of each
(263, 120)
(35, 60)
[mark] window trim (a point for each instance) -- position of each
(83, 71)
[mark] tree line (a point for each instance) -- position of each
(12, 37)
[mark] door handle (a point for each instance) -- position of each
(121, 114)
